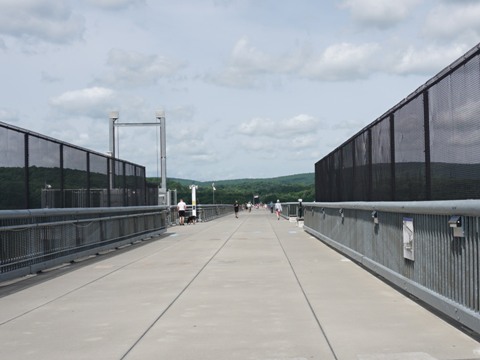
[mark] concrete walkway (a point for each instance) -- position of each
(248, 288)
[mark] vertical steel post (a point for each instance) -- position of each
(113, 116)
(163, 149)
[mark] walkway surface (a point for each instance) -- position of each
(248, 288)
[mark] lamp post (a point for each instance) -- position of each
(113, 116)
(160, 115)
(194, 199)
(213, 192)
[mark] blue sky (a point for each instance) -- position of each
(250, 88)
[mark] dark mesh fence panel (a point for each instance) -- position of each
(75, 177)
(63, 175)
(118, 193)
(322, 185)
(44, 172)
(131, 185)
(152, 194)
(319, 183)
(446, 168)
(410, 151)
(347, 172)
(337, 164)
(12, 170)
(99, 181)
(98, 172)
(331, 175)
(362, 175)
(324, 178)
(140, 181)
(455, 134)
(381, 161)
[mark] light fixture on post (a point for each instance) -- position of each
(194, 199)
(160, 115)
(112, 116)
(213, 193)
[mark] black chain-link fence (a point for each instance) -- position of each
(425, 148)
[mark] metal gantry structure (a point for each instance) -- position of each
(160, 116)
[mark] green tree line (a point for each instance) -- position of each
(285, 188)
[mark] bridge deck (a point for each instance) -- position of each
(246, 288)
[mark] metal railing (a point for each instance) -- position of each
(428, 249)
(204, 212)
(34, 240)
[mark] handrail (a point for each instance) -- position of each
(416, 246)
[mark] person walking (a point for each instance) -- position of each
(236, 207)
(181, 207)
(278, 209)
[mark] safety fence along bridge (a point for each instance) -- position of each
(252, 287)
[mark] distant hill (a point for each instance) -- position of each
(286, 188)
(306, 179)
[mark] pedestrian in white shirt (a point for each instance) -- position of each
(278, 209)
(181, 207)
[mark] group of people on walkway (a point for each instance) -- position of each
(277, 207)
(182, 208)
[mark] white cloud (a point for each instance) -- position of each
(115, 4)
(135, 69)
(250, 67)
(297, 125)
(247, 64)
(345, 61)
(342, 62)
(51, 21)
(349, 62)
(425, 60)
(8, 116)
(379, 13)
(91, 101)
(188, 143)
(251, 60)
(244, 64)
(48, 78)
(303, 142)
(448, 22)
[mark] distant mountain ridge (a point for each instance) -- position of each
(266, 190)
(305, 179)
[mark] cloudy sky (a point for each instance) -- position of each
(250, 88)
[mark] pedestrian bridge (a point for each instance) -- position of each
(248, 288)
